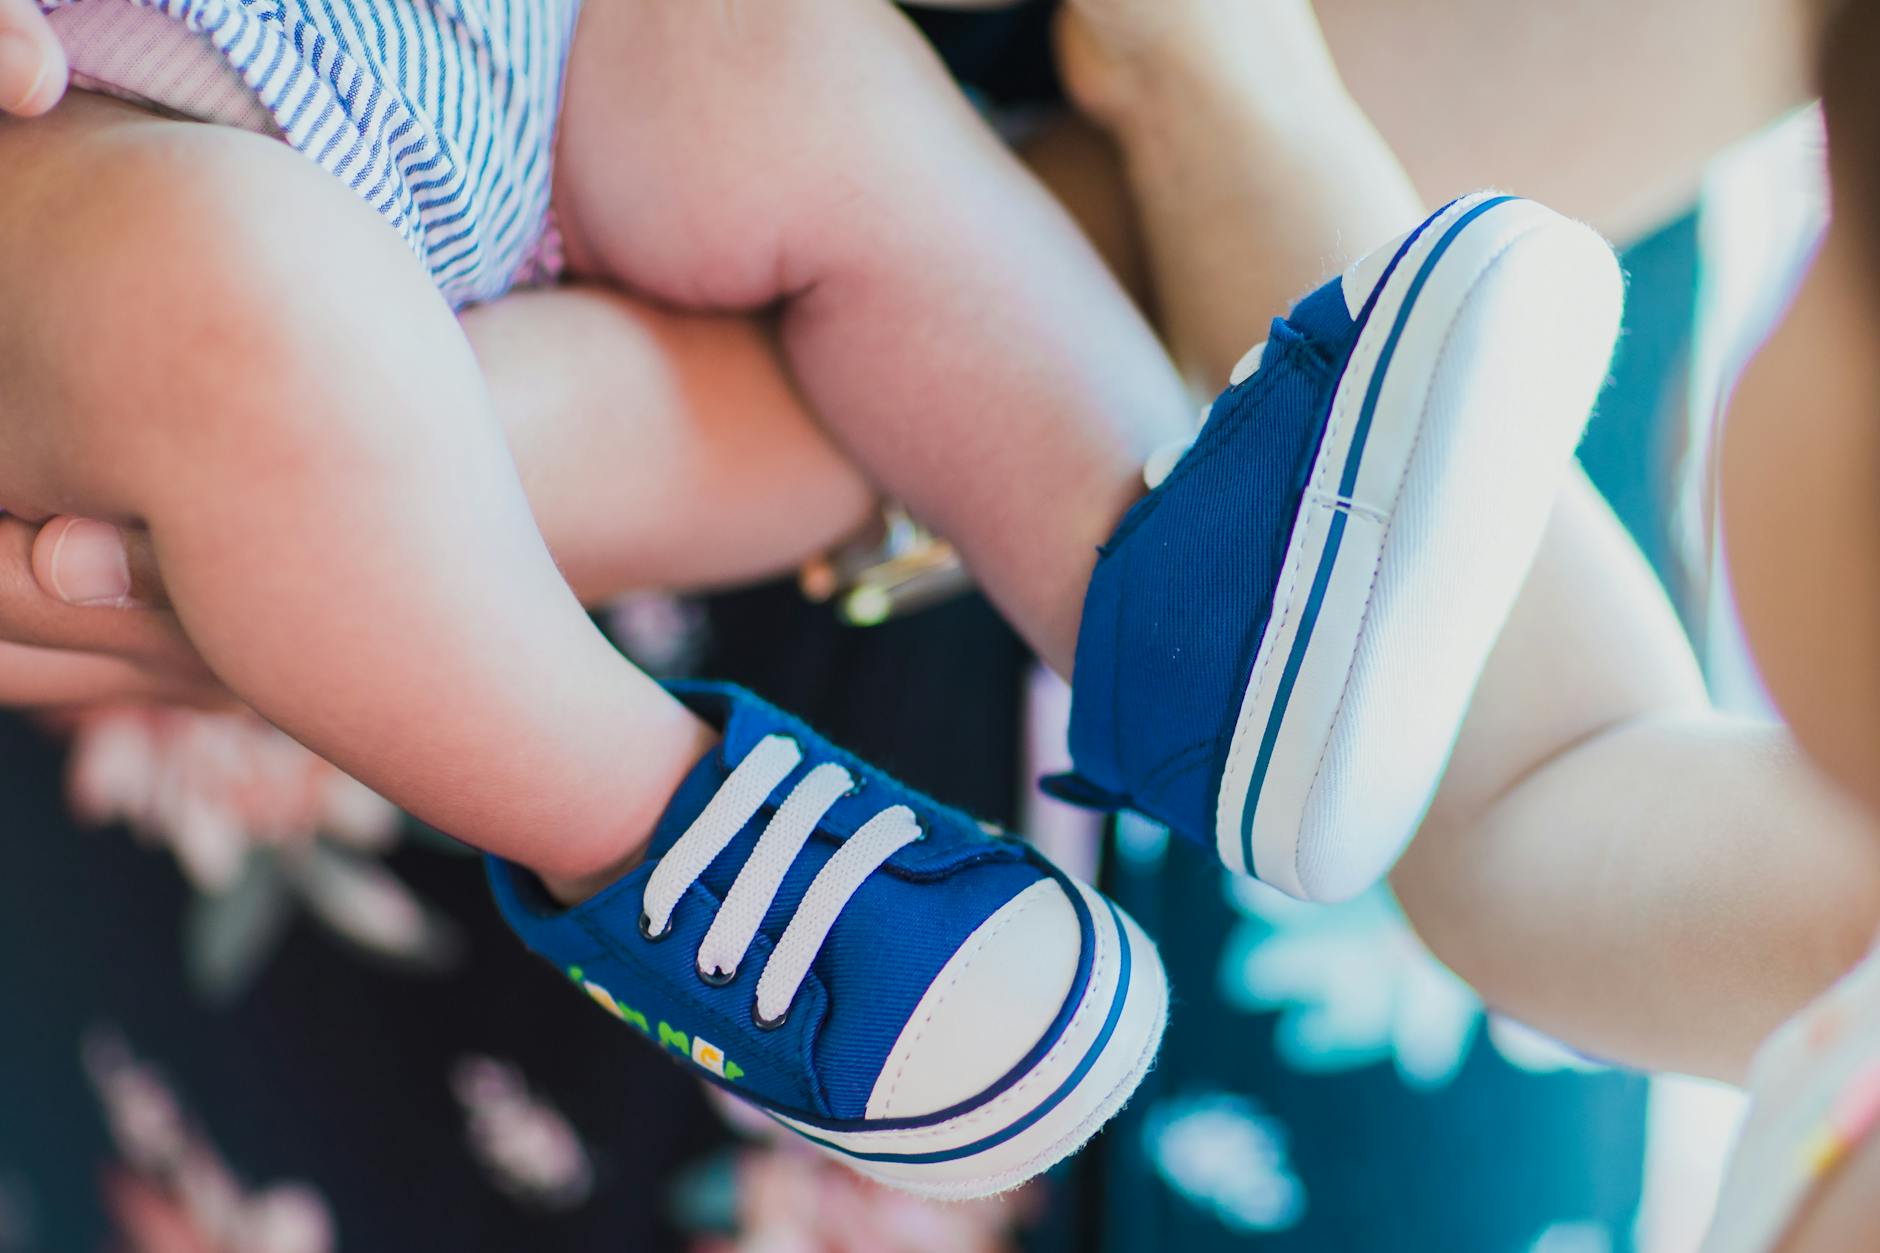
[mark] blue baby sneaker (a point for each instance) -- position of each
(936, 1005)
(1279, 642)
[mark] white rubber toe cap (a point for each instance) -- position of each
(991, 1003)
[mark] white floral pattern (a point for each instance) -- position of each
(1353, 986)
(215, 787)
(1573, 1238)
(528, 1148)
(1222, 1153)
(262, 829)
(172, 1189)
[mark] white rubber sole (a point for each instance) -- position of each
(1076, 1087)
(1449, 438)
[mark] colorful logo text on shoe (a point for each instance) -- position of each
(700, 1052)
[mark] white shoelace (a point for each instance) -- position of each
(755, 889)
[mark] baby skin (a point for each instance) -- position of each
(921, 283)
(259, 350)
(934, 1002)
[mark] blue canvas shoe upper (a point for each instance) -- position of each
(795, 909)
(1183, 590)
(1281, 641)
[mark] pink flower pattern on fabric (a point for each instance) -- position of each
(212, 786)
(792, 1199)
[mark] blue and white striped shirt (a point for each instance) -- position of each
(440, 114)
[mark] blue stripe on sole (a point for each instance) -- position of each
(1335, 537)
(1044, 1107)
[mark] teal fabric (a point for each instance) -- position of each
(1632, 444)
(1327, 1086)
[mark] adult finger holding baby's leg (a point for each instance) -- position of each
(90, 564)
(84, 620)
(87, 586)
(32, 64)
(54, 680)
(83, 607)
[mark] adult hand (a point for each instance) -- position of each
(84, 619)
(32, 64)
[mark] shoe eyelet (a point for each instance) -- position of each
(646, 929)
(715, 978)
(767, 1024)
(856, 784)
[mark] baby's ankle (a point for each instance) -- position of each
(572, 890)
(572, 879)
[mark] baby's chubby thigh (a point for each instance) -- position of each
(183, 304)
(723, 156)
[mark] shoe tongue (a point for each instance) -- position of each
(744, 724)
(1323, 316)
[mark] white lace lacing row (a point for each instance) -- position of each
(753, 892)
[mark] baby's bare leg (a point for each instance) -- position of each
(262, 353)
(624, 419)
(945, 319)
(660, 449)
(1608, 859)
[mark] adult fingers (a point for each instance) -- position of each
(52, 679)
(32, 64)
(90, 564)
(78, 587)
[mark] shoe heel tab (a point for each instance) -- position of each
(1074, 789)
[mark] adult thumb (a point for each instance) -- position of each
(87, 563)
(32, 64)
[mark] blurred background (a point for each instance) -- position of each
(240, 1032)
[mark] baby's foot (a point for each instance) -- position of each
(1280, 640)
(939, 1007)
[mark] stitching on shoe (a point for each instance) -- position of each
(1113, 699)
(761, 946)
(1290, 580)
(1370, 594)
(1344, 504)
(1215, 437)
(920, 1033)
(1176, 764)
(998, 1105)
